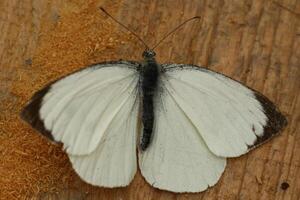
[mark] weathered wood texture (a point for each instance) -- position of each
(254, 41)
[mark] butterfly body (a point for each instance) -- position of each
(149, 78)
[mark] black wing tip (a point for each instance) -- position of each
(275, 124)
(30, 113)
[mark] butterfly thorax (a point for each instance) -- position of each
(149, 79)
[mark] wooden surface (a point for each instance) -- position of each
(254, 41)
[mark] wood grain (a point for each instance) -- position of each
(254, 41)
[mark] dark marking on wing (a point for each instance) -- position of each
(275, 120)
(30, 113)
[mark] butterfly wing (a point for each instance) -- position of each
(230, 117)
(93, 112)
(201, 118)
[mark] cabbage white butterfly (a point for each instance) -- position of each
(192, 120)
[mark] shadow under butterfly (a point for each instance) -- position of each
(192, 120)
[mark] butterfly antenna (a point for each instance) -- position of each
(174, 30)
(138, 37)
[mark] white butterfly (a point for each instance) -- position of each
(193, 119)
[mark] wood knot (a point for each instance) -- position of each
(284, 186)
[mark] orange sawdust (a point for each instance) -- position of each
(29, 164)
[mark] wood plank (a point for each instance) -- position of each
(254, 41)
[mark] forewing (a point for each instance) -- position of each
(177, 158)
(230, 118)
(78, 109)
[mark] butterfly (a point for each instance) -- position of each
(192, 119)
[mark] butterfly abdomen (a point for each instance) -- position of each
(149, 85)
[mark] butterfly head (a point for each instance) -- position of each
(148, 54)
